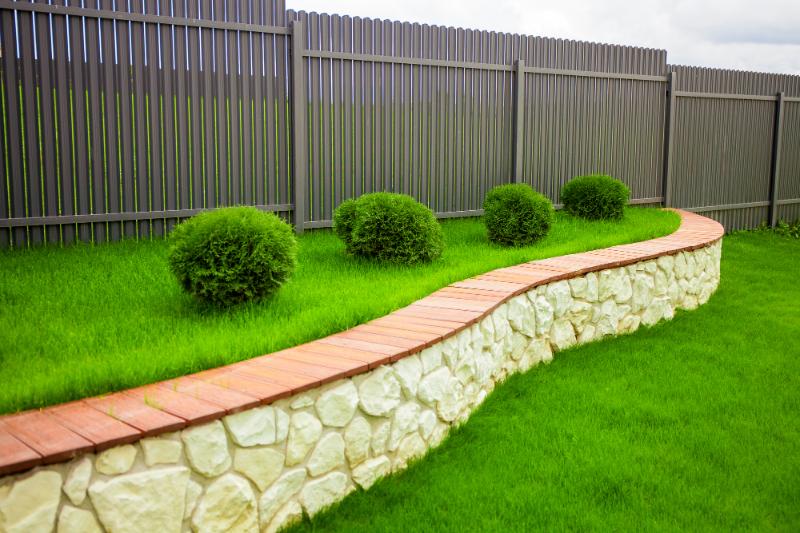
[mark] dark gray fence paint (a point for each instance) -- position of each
(119, 122)
(431, 111)
(725, 145)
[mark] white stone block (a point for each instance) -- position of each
(279, 494)
(405, 421)
(228, 505)
(562, 334)
(325, 491)
(31, 503)
(288, 514)
(262, 466)
(431, 358)
(160, 451)
(336, 407)
(327, 455)
(432, 387)
(117, 460)
(380, 438)
(379, 393)
(78, 477)
(281, 425)
(207, 448)
(427, 423)
(559, 295)
(146, 501)
(451, 402)
(521, 315)
(193, 492)
(301, 402)
(74, 520)
(252, 427)
(357, 438)
(366, 474)
(544, 315)
(408, 372)
(643, 288)
(304, 432)
(410, 448)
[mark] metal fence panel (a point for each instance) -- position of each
(121, 119)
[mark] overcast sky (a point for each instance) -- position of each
(740, 34)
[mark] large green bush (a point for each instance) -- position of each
(516, 215)
(595, 197)
(232, 255)
(389, 227)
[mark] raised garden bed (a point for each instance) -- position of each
(373, 398)
(87, 320)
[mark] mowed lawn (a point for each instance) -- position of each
(692, 425)
(86, 320)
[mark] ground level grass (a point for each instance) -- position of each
(86, 320)
(691, 425)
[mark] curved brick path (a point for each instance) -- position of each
(60, 432)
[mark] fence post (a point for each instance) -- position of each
(776, 161)
(299, 137)
(519, 115)
(666, 186)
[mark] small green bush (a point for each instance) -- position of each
(516, 215)
(595, 197)
(231, 255)
(389, 227)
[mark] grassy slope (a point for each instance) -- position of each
(87, 320)
(690, 425)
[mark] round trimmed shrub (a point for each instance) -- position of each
(343, 220)
(595, 197)
(389, 227)
(232, 255)
(516, 215)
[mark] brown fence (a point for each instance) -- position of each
(120, 119)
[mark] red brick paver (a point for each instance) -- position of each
(61, 432)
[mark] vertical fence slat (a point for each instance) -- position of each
(669, 132)
(348, 167)
(519, 112)
(359, 73)
(776, 161)
(299, 135)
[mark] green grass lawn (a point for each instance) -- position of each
(693, 424)
(87, 320)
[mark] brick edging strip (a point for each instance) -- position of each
(58, 433)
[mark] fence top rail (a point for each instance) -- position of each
(595, 74)
(55, 220)
(405, 60)
(14, 5)
(448, 63)
(727, 96)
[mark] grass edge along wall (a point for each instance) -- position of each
(318, 108)
(352, 431)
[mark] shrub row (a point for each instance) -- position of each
(232, 255)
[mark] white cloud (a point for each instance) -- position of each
(740, 34)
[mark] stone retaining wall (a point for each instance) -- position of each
(263, 467)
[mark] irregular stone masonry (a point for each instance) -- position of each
(261, 467)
